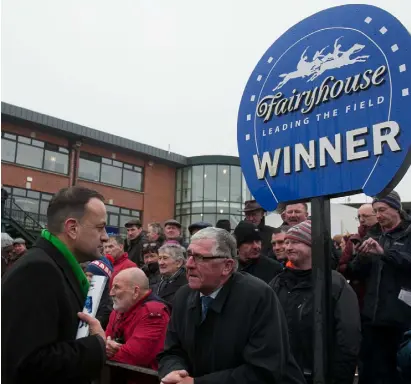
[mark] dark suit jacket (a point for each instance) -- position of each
(40, 300)
(243, 339)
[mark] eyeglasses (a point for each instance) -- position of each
(200, 258)
(359, 217)
(150, 247)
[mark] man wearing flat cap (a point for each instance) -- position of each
(134, 242)
(172, 232)
(385, 267)
(254, 214)
(251, 260)
(19, 246)
(195, 227)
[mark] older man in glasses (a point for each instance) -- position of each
(226, 327)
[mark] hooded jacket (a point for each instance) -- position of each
(123, 262)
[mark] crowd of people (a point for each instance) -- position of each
(230, 306)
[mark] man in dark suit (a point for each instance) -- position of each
(226, 327)
(44, 291)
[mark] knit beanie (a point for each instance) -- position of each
(393, 199)
(6, 240)
(100, 267)
(300, 232)
(246, 232)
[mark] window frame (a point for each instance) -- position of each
(101, 160)
(35, 143)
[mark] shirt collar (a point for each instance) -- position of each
(214, 294)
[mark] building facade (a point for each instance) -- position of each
(41, 154)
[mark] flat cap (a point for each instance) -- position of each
(19, 240)
(132, 222)
(172, 222)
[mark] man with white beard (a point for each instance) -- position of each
(137, 327)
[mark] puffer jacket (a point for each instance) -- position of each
(294, 289)
(385, 276)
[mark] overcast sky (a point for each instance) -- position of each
(161, 72)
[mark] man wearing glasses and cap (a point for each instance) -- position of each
(254, 214)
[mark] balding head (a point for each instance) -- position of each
(129, 286)
(366, 215)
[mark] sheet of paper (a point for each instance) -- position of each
(405, 296)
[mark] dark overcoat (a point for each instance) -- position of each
(243, 338)
(40, 300)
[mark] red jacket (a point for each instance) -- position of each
(142, 330)
(123, 262)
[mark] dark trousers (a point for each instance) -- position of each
(379, 355)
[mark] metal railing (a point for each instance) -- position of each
(29, 221)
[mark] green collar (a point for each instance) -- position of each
(75, 266)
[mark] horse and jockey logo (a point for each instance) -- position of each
(323, 62)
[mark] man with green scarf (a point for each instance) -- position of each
(44, 293)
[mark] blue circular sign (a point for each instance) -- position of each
(326, 111)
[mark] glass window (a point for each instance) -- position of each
(197, 207)
(33, 194)
(138, 169)
(223, 208)
(210, 207)
(185, 222)
(210, 182)
(56, 162)
(106, 161)
(110, 175)
(9, 136)
(178, 186)
(37, 143)
(198, 181)
(46, 196)
(186, 184)
(118, 163)
(25, 140)
(113, 220)
(43, 207)
(235, 208)
(234, 219)
(89, 170)
(235, 184)
(135, 213)
(178, 209)
(30, 156)
(19, 192)
(223, 183)
(63, 150)
(125, 211)
(128, 166)
(132, 180)
(27, 205)
(196, 218)
(209, 218)
(112, 208)
(185, 209)
(8, 150)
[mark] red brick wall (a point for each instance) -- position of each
(156, 202)
(16, 176)
(159, 193)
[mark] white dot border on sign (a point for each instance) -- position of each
(405, 92)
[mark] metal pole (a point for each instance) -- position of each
(321, 269)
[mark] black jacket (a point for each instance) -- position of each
(295, 292)
(266, 233)
(168, 287)
(243, 339)
(134, 249)
(40, 301)
(106, 306)
(263, 268)
(153, 274)
(385, 275)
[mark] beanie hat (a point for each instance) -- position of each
(100, 267)
(300, 232)
(6, 240)
(246, 232)
(392, 199)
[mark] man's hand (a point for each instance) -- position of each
(112, 347)
(370, 246)
(94, 325)
(176, 377)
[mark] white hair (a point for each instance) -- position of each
(225, 244)
(175, 251)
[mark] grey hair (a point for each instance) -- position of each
(175, 251)
(225, 244)
(156, 227)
